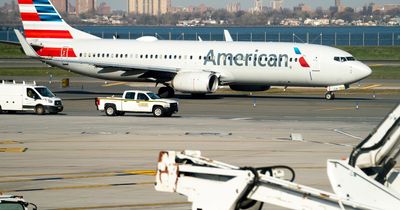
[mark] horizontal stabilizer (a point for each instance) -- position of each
(28, 50)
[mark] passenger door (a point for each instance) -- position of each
(315, 70)
(30, 98)
(129, 103)
(143, 104)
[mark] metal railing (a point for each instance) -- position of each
(331, 39)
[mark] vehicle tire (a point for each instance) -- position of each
(168, 114)
(330, 96)
(39, 110)
(120, 113)
(110, 110)
(166, 92)
(158, 111)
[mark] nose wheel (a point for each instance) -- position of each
(330, 95)
(166, 92)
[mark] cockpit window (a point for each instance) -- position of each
(343, 59)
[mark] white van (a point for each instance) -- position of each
(28, 97)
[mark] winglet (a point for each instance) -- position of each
(25, 46)
(228, 37)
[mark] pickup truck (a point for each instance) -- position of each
(136, 101)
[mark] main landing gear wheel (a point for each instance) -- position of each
(330, 96)
(166, 92)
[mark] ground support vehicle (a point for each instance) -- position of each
(28, 97)
(10, 202)
(135, 101)
(366, 180)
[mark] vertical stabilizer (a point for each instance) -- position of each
(42, 22)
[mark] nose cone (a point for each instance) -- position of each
(362, 70)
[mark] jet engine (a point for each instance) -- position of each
(253, 88)
(195, 82)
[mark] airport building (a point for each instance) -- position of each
(85, 6)
(149, 7)
(61, 5)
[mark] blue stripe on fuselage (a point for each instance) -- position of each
(41, 2)
(45, 9)
(297, 51)
(50, 18)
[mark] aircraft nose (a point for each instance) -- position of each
(363, 70)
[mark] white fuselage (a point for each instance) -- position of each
(243, 63)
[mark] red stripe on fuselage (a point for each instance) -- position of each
(28, 16)
(50, 34)
(303, 62)
(56, 52)
(25, 1)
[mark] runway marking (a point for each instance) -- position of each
(138, 172)
(371, 86)
(126, 206)
(126, 173)
(14, 150)
(10, 142)
(243, 118)
(376, 65)
(337, 109)
(79, 187)
(114, 84)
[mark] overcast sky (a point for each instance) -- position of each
(121, 4)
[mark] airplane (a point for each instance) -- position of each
(196, 67)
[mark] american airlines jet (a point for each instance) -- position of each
(196, 67)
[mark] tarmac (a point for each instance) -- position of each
(82, 159)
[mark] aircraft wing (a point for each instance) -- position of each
(124, 67)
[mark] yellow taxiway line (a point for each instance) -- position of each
(10, 142)
(78, 187)
(371, 86)
(126, 206)
(111, 174)
(114, 84)
(133, 172)
(14, 150)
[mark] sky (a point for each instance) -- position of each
(121, 4)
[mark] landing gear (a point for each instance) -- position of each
(166, 92)
(330, 95)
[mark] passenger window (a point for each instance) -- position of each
(156, 57)
(130, 96)
(80, 54)
(191, 57)
(98, 55)
(116, 55)
(32, 94)
(142, 97)
(295, 60)
(151, 56)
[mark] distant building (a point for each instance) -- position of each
(277, 5)
(61, 5)
(104, 9)
(258, 6)
(233, 7)
(85, 6)
(149, 7)
(339, 6)
(388, 7)
(302, 8)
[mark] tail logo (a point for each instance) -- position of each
(302, 60)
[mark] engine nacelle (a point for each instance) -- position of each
(253, 88)
(195, 82)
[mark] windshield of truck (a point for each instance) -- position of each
(11, 206)
(153, 96)
(43, 91)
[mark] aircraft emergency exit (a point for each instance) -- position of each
(196, 67)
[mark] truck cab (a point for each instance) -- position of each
(136, 101)
(11, 202)
(28, 97)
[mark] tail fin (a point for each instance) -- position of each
(41, 21)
